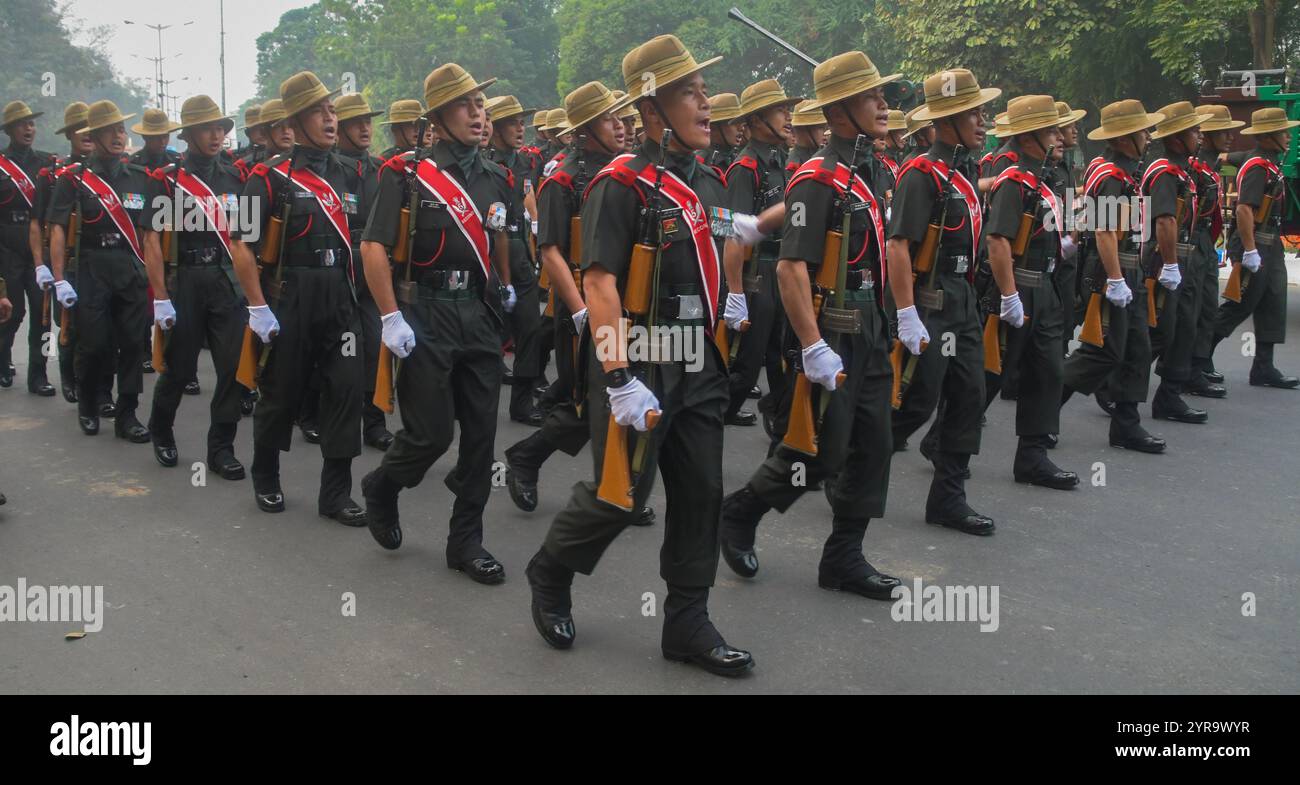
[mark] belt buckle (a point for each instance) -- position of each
(20, 216)
(690, 306)
(326, 257)
(960, 264)
(207, 255)
(1051, 265)
(868, 281)
(457, 279)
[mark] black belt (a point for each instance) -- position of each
(201, 257)
(953, 263)
(18, 217)
(103, 240)
(323, 257)
(445, 278)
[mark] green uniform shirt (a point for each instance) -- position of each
(917, 203)
(129, 181)
(557, 204)
(804, 240)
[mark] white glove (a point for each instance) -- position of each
(1170, 276)
(1068, 247)
(737, 311)
(821, 365)
(164, 315)
(910, 330)
(1250, 260)
(630, 403)
(44, 278)
(508, 300)
(263, 322)
(535, 225)
(1013, 311)
(527, 216)
(1118, 293)
(397, 334)
(580, 320)
(66, 295)
(746, 227)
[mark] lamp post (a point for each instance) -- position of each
(158, 77)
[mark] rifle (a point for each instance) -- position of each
(927, 259)
(74, 231)
(641, 298)
(735, 13)
(801, 434)
(171, 255)
(1239, 278)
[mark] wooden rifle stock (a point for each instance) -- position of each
(992, 345)
(1239, 278)
(904, 366)
(640, 272)
(1092, 333)
(385, 390)
(159, 348)
(616, 486)
(1232, 290)
(246, 372)
(575, 240)
(47, 303)
(828, 273)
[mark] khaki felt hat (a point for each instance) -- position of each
(951, 92)
(102, 114)
(897, 120)
(252, 116)
(1069, 116)
(302, 91)
(723, 107)
(1220, 118)
(764, 94)
(658, 63)
(628, 111)
(589, 102)
(1179, 116)
(556, 120)
(802, 116)
(1122, 118)
(1026, 113)
(352, 106)
(1269, 120)
(201, 109)
(446, 83)
(154, 123)
(17, 110)
(272, 112)
(503, 107)
(74, 117)
(914, 125)
(406, 110)
(539, 118)
(844, 76)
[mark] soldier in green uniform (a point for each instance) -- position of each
(726, 131)
(403, 126)
(688, 401)
(156, 128)
(920, 135)
(279, 131)
(557, 126)
(207, 299)
(1122, 365)
(1256, 245)
(855, 443)
(1218, 136)
(941, 304)
(540, 139)
(1063, 183)
(313, 309)
(809, 134)
(629, 117)
(112, 307)
(254, 133)
(20, 167)
(445, 319)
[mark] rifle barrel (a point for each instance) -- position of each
(735, 13)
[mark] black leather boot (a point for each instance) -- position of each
(552, 604)
(689, 636)
(335, 500)
(741, 512)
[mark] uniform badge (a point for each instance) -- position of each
(350, 203)
(133, 201)
(721, 222)
(496, 216)
(669, 226)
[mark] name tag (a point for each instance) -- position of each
(303, 195)
(773, 194)
(133, 201)
(350, 203)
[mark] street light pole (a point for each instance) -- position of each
(223, 55)
(158, 74)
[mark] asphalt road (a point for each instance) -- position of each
(1136, 585)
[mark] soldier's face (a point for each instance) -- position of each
(970, 128)
(1050, 137)
(1220, 141)
(778, 119)
(207, 139)
(629, 133)
(463, 119)
(1283, 140)
(23, 132)
(511, 131)
(280, 137)
(870, 111)
(686, 106)
(111, 140)
(487, 132)
(608, 130)
(1191, 139)
(359, 130)
(1070, 136)
(156, 143)
(925, 137)
(81, 143)
(319, 125)
(404, 134)
(257, 135)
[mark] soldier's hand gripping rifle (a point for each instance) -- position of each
(641, 300)
(74, 233)
(1239, 278)
(170, 244)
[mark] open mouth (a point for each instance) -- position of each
(703, 125)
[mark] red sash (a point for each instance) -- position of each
(1216, 215)
(1028, 180)
(461, 207)
(113, 206)
(939, 171)
(1163, 166)
(207, 202)
(1098, 172)
(1258, 160)
(890, 164)
(840, 181)
(325, 196)
(25, 185)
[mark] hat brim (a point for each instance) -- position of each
(639, 93)
(725, 116)
(116, 120)
(74, 127)
(921, 127)
(819, 103)
(415, 119)
(480, 86)
(1073, 117)
(1262, 131)
(768, 104)
(1211, 126)
(1180, 125)
(511, 114)
(171, 128)
(228, 121)
(1010, 130)
(986, 94)
(1102, 133)
(29, 116)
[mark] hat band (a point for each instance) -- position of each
(941, 101)
(1033, 118)
(828, 86)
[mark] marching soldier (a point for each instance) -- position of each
(1170, 186)
(855, 443)
(1256, 247)
(726, 131)
(891, 155)
(355, 133)
(444, 321)
(1218, 136)
(1122, 364)
(755, 181)
(156, 129)
(935, 295)
(630, 118)
(557, 126)
(403, 126)
(279, 131)
(598, 132)
(1067, 268)
(312, 310)
(112, 310)
(687, 403)
(20, 168)
(540, 139)
(253, 132)
(206, 294)
(921, 133)
(809, 134)
(524, 317)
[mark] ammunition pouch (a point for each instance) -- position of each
(1266, 238)
(840, 320)
(931, 299)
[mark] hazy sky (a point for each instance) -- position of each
(198, 44)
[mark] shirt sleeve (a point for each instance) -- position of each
(553, 202)
(156, 211)
(912, 206)
(740, 189)
(609, 226)
(386, 212)
(62, 201)
(257, 204)
(1005, 209)
(808, 213)
(1252, 187)
(1164, 195)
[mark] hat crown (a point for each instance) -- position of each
(1177, 111)
(15, 111)
(300, 84)
(198, 109)
(1268, 115)
(762, 89)
(724, 101)
(1217, 111)
(950, 86)
(251, 114)
(103, 113)
(585, 103)
(1063, 109)
(1119, 111)
(504, 106)
(842, 68)
(659, 57)
(556, 118)
(446, 83)
(272, 111)
(1030, 107)
(352, 101)
(75, 114)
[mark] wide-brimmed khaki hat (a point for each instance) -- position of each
(556, 121)
(1122, 118)
(539, 118)
(102, 114)
(802, 116)
(723, 107)
(658, 63)
(589, 102)
(1179, 116)
(503, 107)
(446, 83)
(252, 116)
(406, 110)
(764, 94)
(1027, 113)
(1220, 118)
(201, 109)
(629, 111)
(914, 125)
(302, 91)
(897, 120)
(352, 106)
(155, 122)
(1069, 116)
(272, 112)
(844, 76)
(1269, 120)
(17, 110)
(951, 92)
(74, 117)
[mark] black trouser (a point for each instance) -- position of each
(20, 277)
(563, 429)
(685, 447)
(112, 322)
(525, 323)
(372, 417)
(1263, 296)
(452, 376)
(68, 366)
(855, 444)
(759, 346)
(1066, 280)
(206, 308)
(1174, 336)
(1032, 365)
(1208, 309)
(317, 315)
(1123, 363)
